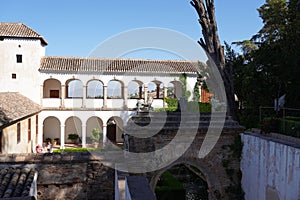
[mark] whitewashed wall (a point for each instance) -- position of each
(271, 170)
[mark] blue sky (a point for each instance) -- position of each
(75, 28)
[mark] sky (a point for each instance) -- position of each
(75, 28)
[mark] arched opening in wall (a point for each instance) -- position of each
(52, 88)
(182, 181)
(115, 130)
(51, 128)
(135, 90)
(95, 89)
(74, 89)
(115, 89)
(155, 90)
(73, 130)
(177, 89)
(91, 124)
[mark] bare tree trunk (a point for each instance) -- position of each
(212, 45)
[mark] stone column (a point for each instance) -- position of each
(104, 129)
(63, 96)
(165, 95)
(62, 136)
(146, 93)
(83, 136)
(41, 130)
(84, 96)
(125, 95)
(104, 96)
(141, 92)
(157, 91)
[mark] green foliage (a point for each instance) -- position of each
(185, 93)
(199, 107)
(169, 188)
(284, 126)
(96, 135)
(73, 136)
(76, 150)
(263, 72)
(172, 102)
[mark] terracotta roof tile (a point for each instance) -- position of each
(16, 181)
(14, 106)
(12, 29)
(100, 65)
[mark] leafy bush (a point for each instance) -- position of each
(172, 102)
(96, 135)
(169, 188)
(73, 136)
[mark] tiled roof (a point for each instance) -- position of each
(100, 65)
(12, 29)
(16, 181)
(14, 106)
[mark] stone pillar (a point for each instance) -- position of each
(146, 92)
(84, 96)
(63, 96)
(83, 136)
(62, 136)
(125, 95)
(41, 130)
(104, 129)
(157, 91)
(141, 92)
(104, 96)
(165, 95)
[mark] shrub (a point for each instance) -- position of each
(95, 135)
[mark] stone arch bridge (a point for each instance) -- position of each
(220, 168)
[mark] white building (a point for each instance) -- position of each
(79, 94)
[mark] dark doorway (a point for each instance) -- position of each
(54, 93)
(111, 132)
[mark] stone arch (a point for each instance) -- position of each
(73, 125)
(51, 128)
(52, 88)
(155, 89)
(135, 89)
(94, 89)
(210, 178)
(93, 122)
(115, 89)
(115, 129)
(74, 88)
(177, 88)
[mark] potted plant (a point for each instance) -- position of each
(95, 137)
(73, 137)
(48, 140)
(55, 141)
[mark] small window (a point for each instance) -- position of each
(29, 129)
(19, 58)
(13, 76)
(18, 133)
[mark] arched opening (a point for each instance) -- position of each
(135, 90)
(181, 181)
(155, 90)
(95, 89)
(74, 88)
(114, 90)
(93, 122)
(115, 130)
(177, 88)
(73, 125)
(51, 128)
(52, 88)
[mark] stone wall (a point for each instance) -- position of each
(68, 175)
(271, 167)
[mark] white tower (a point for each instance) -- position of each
(21, 50)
